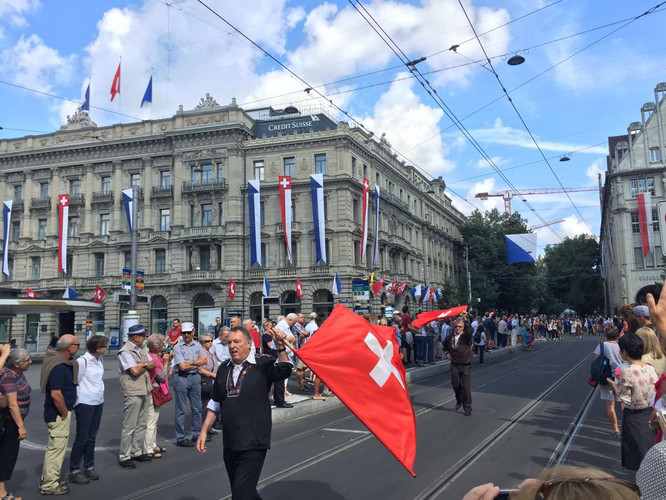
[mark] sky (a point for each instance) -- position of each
(589, 67)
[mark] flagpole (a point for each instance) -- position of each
(151, 98)
(120, 112)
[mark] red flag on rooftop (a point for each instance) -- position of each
(115, 86)
(30, 294)
(378, 394)
(429, 316)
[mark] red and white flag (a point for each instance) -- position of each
(377, 286)
(115, 86)
(427, 317)
(231, 289)
(378, 396)
(400, 289)
(99, 294)
(284, 181)
(364, 220)
(645, 221)
(30, 294)
(391, 286)
(299, 288)
(63, 228)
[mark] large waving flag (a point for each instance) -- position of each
(284, 182)
(378, 396)
(254, 206)
(318, 216)
(266, 288)
(376, 252)
(115, 85)
(148, 94)
(128, 201)
(364, 221)
(645, 221)
(63, 226)
(86, 104)
(521, 247)
(6, 216)
(427, 317)
(337, 285)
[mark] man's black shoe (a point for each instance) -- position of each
(217, 426)
(458, 405)
(468, 413)
(286, 405)
(142, 458)
(185, 443)
(127, 464)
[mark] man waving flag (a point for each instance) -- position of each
(378, 396)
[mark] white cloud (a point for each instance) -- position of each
(594, 170)
(484, 186)
(15, 10)
(482, 163)
(571, 227)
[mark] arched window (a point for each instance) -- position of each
(255, 308)
(289, 303)
(158, 315)
(322, 303)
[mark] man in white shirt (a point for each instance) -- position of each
(284, 326)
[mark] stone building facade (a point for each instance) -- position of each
(192, 171)
(635, 164)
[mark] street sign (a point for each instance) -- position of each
(127, 278)
(140, 286)
(125, 298)
(361, 290)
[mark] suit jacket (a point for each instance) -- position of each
(462, 353)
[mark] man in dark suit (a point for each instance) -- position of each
(240, 395)
(458, 349)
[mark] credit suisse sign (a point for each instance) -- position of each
(315, 123)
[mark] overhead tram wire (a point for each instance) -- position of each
(412, 66)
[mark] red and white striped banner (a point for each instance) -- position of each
(284, 182)
(645, 221)
(63, 228)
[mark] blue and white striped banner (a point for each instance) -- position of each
(254, 205)
(128, 201)
(319, 217)
(376, 254)
(6, 215)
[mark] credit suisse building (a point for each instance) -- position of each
(192, 172)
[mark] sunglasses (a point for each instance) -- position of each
(542, 492)
(206, 341)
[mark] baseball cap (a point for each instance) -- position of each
(186, 327)
(136, 330)
(642, 311)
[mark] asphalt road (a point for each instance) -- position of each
(524, 406)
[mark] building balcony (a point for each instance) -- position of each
(159, 279)
(161, 192)
(207, 276)
(77, 200)
(288, 272)
(394, 200)
(295, 227)
(202, 232)
(102, 197)
(320, 271)
(205, 186)
(18, 206)
(40, 204)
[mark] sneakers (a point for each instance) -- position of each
(127, 464)
(91, 474)
(61, 489)
(186, 443)
(286, 405)
(78, 477)
(142, 458)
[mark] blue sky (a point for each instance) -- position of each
(587, 73)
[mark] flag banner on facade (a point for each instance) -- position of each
(337, 285)
(30, 294)
(299, 289)
(438, 294)
(427, 317)
(140, 283)
(376, 252)
(364, 220)
(377, 287)
(427, 293)
(644, 201)
(521, 247)
(99, 294)
(128, 201)
(379, 395)
(6, 219)
(391, 286)
(284, 183)
(400, 289)
(266, 289)
(254, 209)
(86, 104)
(70, 293)
(148, 94)
(319, 216)
(416, 292)
(63, 229)
(127, 278)
(115, 86)
(231, 289)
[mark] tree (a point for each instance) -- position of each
(573, 274)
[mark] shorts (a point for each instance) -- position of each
(606, 393)
(300, 365)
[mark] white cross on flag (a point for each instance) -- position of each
(99, 294)
(231, 290)
(299, 288)
(30, 294)
(373, 386)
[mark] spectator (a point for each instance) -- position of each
(302, 335)
(407, 331)
(652, 354)
(606, 393)
(284, 325)
(175, 333)
(650, 477)
(256, 337)
(158, 378)
(88, 409)
(16, 389)
(58, 380)
(208, 373)
(636, 390)
(188, 357)
(135, 387)
(432, 331)
(480, 342)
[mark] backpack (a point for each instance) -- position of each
(477, 337)
(600, 369)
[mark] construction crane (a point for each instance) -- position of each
(508, 194)
(546, 224)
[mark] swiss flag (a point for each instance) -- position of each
(115, 85)
(427, 317)
(231, 290)
(400, 289)
(378, 396)
(30, 294)
(391, 286)
(299, 288)
(377, 286)
(99, 294)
